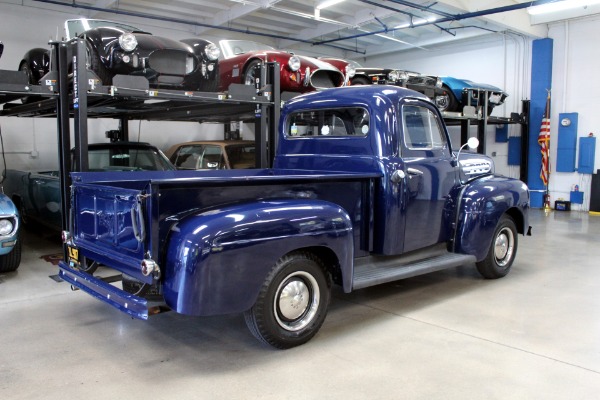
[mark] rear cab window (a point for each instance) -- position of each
(339, 122)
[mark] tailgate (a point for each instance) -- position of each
(110, 225)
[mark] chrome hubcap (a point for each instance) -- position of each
(503, 247)
(297, 301)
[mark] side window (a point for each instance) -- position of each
(421, 129)
(329, 123)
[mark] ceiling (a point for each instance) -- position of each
(350, 28)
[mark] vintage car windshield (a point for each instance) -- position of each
(232, 48)
(354, 64)
(127, 159)
(75, 27)
(209, 156)
(334, 122)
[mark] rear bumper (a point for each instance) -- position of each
(135, 306)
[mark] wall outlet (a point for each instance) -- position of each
(34, 154)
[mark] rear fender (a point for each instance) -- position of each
(481, 205)
(216, 261)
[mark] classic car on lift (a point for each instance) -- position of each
(10, 242)
(356, 74)
(37, 194)
(455, 88)
(216, 154)
(240, 60)
(115, 48)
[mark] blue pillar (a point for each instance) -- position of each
(541, 81)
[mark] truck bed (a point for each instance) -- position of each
(123, 217)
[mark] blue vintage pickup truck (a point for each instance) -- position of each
(366, 188)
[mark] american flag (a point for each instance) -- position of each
(544, 142)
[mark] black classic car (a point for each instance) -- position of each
(114, 48)
(430, 86)
(1, 48)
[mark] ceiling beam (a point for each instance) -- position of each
(516, 20)
(238, 11)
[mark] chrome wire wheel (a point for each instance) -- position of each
(297, 301)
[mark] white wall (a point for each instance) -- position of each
(575, 88)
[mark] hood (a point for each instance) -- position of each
(459, 84)
(7, 207)
(146, 41)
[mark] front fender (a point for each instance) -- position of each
(38, 61)
(481, 205)
(217, 260)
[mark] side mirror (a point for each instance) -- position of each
(473, 143)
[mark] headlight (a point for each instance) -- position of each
(6, 226)
(294, 63)
(396, 76)
(350, 71)
(439, 83)
(212, 51)
(128, 42)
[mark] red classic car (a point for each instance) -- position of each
(240, 59)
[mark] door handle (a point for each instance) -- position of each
(413, 171)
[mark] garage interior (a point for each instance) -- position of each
(448, 334)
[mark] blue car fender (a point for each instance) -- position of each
(217, 260)
(481, 205)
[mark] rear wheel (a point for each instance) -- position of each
(447, 102)
(502, 251)
(292, 303)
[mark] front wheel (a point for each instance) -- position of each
(292, 303)
(11, 261)
(502, 251)
(252, 73)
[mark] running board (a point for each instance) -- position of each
(377, 270)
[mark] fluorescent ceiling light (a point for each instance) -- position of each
(561, 6)
(421, 21)
(327, 3)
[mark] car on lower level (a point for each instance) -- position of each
(37, 196)
(10, 242)
(216, 154)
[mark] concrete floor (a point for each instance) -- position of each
(534, 334)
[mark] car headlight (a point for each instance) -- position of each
(294, 63)
(128, 42)
(212, 51)
(350, 71)
(6, 226)
(439, 83)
